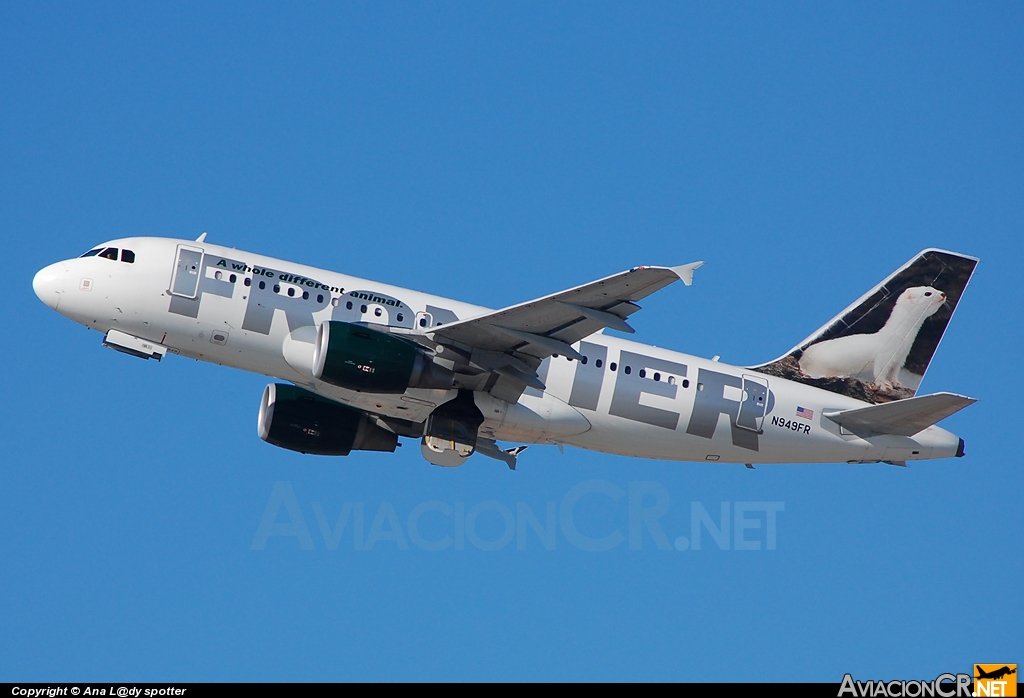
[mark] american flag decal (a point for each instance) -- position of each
(805, 413)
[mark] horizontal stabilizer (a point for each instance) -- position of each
(902, 417)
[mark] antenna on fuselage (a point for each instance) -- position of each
(201, 237)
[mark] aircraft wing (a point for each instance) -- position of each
(902, 417)
(513, 341)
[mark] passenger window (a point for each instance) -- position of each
(263, 285)
(218, 275)
(277, 288)
(377, 312)
(348, 305)
(399, 317)
(319, 298)
(128, 256)
(584, 361)
(686, 383)
(671, 380)
(248, 281)
(362, 308)
(232, 278)
(627, 370)
(657, 377)
(109, 253)
(291, 293)
(423, 322)
(612, 366)
(598, 363)
(643, 372)
(305, 295)
(92, 253)
(336, 301)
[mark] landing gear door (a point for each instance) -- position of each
(754, 403)
(187, 268)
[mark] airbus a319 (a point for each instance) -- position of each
(362, 364)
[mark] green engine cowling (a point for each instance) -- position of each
(299, 420)
(358, 358)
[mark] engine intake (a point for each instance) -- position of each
(358, 358)
(299, 420)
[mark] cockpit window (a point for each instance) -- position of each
(128, 256)
(109, 253)
(92, 253)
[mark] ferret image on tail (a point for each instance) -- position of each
(877, 357)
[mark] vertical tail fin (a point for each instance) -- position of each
(879, 348)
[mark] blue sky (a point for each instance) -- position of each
(495, 153)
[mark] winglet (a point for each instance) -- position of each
(514, 454)
(489, 448)
(685, 271)
(202, 237)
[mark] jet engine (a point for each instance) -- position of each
(299, 420)
(358, 358)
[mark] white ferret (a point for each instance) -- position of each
(876, 357)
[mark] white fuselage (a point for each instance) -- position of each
(628, 398)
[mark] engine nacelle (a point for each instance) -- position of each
(357, 358)
(299, 420)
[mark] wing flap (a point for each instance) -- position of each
(567, 316)
(902, 417)
(511, 343)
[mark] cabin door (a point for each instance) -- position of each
(189, 264)
(754, 403)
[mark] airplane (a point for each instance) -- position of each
(361, 364)
(995, 674)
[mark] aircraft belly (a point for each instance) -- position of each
(783, 445)
(679, 446)
(533, 419)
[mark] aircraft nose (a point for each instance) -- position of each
(49, 283)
